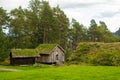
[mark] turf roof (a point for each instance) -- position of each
(24, 52)
(45, 48)
(41, 49)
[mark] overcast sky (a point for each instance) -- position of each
(82, 10)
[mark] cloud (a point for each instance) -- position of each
(79, 4)
(11, 4)
(109, 14)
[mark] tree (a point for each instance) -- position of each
(19, 31)
(105, 35)
(47, 21)
(77, 33)
(25, 27)
(34, 20)
(3, 39)
(3, 16)
(38, 24)
(92, 32)
(3, 46)
(62, 25)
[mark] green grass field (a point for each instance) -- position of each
(74, 72)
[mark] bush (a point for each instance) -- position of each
(81, 54)
(116, 59)
(105, 54)
(102, 59)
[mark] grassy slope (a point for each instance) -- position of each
(63, 73)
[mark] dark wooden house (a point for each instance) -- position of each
(23, 57)
(50, 53)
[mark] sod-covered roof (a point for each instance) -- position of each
(24, 52)
(41, 49)
(46, 48)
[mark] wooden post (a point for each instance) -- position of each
(11, 60)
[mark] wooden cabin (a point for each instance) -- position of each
(23, 57)
(44, 53)
(50, 53)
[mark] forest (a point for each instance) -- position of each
(40, 23)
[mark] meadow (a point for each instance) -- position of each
(73, 72)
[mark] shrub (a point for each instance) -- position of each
(82, 52)
(102, 59)
(106, 54)
(116, 59)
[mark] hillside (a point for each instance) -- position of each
(97, 54)
(117, 33)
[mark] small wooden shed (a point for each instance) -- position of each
(50, 53)
(23, 57)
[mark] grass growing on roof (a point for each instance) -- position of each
(46, 48)
(41, 49)
(24, 52)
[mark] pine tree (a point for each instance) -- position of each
(92, 31)
(77, 32)
(63, 25)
